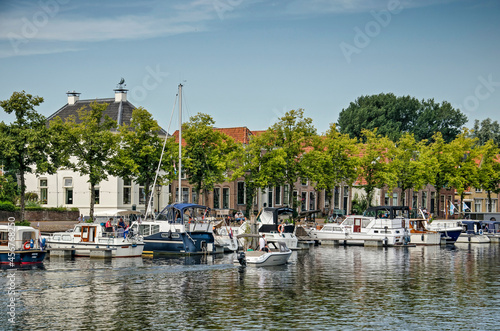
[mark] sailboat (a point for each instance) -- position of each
(180, 228)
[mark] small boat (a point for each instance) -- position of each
(450, 230)
(273, 223)
(180, 228)
(88, 238)
(472, 233)
(20, 245)
(379, 226)
(491, 229)
(224, 237)
(278, 254)
(420, 235)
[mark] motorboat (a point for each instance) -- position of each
(273, 222)
(450, 230)
(472, 233)
(88, 239)
(420, 234)
(362, 230)
(20, 245)
(224, 237)
(491, 229)
(278, 254)
(180, 228)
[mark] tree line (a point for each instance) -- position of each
(375, 144)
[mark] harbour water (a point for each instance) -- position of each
(325, 288)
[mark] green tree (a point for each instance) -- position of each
(393, 116)
(433, 117)
(489, 170)
(140, 150)
(282, 148)
(25, 143)
(486, 130)
(91, 144)
(332, 161)
(210, 156)
(465, 157)
(373, 166)
(408, 163)
(8, 188)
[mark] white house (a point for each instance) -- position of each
(67, 188)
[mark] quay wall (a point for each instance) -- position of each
(40, 215)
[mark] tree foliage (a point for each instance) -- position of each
(489, 170)
(485, 131)
(91, 144)
(140, 150)
(25, 143)
(393, 116)
(209, 154)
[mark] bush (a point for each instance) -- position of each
(22, 223)
(7, 205)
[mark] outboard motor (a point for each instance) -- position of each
(242, 259)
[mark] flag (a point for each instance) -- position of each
(452, 208)
(464, 206)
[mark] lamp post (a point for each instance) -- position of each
(158, 192)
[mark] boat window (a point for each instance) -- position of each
(376, 231)
(56, 237)
(4, 238)
(397, 231)
(144, 230)
(27, 236)
(349, 221)
(66, 237)
(155, 228)
(78, 229)
(388, 231)
(365, 222)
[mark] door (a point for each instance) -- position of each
(357, 225)
(88, 233)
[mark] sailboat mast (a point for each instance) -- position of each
(180, 142)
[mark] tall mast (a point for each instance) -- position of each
(180, 142)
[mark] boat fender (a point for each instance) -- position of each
(32, 243)
(281, 227)
(481, 232)
(27, 245)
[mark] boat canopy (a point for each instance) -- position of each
(388, 212)
(270, 215)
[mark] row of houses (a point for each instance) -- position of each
(68, 189)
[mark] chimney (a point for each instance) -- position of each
(73, 97)
(121, 91)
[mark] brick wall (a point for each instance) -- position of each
(40, 215)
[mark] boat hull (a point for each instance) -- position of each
(263, 259)
(473, 238)
(179, 243)
(85, 249)
(31, 256)
(427, 238)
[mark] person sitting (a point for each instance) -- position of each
(263, 244)
(121, 224)
(109, 225)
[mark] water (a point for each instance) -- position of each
(325, 288)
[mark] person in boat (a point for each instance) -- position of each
(263, 244)
(109, 225)
(121, 224)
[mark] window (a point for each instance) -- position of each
(241, 193)
(424, 200)
(312, 201)
(270, 196)
(217, 197)
(303, 205)
(415, 200)
(43, 191)
(477, 205)
(493, 206)
(277, 193)
(142, 194)
(194, 196)
(126, 192)
(96, 195)
(328, 198)
(394, 199)
(304, 181)
(68, 188)
(479, 190)
(286, 194)
(336, 199)
(225, 197)
(386, 199)
(185, 194)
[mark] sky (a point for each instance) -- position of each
(248, 62)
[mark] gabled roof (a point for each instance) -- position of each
(240, 134)
(119, 111)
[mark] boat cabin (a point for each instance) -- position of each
(490, 226)
(19, 234)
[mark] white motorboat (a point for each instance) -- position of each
(224, 237)
(86, 238)
(420, 235)
(278, 254)
(472, 233)
(273, 223)
(20, 245)
(364, 230)
(450, 230)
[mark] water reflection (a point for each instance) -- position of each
(322, 288)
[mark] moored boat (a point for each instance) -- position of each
(278, 254)
(472, 233)
(491, 229)
(88, 238)
(450, 230)
(20, 245)
(273, 223)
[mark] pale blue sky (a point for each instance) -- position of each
(247, 62)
